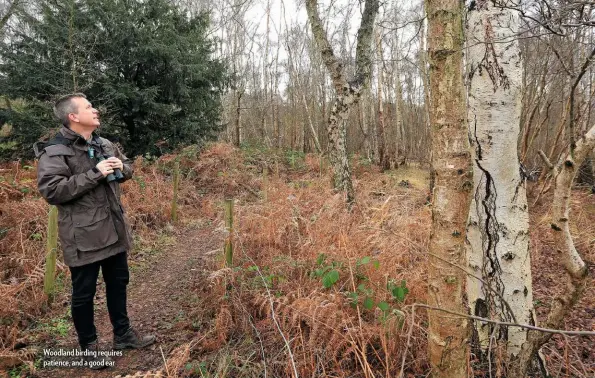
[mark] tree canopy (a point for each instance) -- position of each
(146, 65)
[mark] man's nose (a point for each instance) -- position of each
(95, 111)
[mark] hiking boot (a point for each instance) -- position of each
(131, 339)
(93, 358)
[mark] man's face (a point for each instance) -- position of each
(86, 115)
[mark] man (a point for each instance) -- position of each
(77, 173)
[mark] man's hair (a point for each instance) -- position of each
(64, 106)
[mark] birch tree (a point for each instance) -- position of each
(498, 228)
(347, 92)
(451, 163)
(383, 158)
(576, 270)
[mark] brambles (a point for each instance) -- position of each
(367, 294)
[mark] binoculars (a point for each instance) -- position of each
(116, 176)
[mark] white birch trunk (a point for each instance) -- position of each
(498, 229)
(577, 273)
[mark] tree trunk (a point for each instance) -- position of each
(498, 228)
(365, 122)
(576, 269)
(399, 106)
(423, 63)
(451, 163)
(238, 120)
(347, 92)
(384, 161)
(337, 135)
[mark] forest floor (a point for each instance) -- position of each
(162, 297)
(274, 314)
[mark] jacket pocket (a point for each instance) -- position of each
(94, 229)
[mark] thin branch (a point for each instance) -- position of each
(546, 160)
(507, 324)
(560, 60)
(580, 75)
(490, 288)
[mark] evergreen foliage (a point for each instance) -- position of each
(146, 65)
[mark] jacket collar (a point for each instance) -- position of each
(77, 139)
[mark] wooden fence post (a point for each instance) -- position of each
(49, 280)
(229, 228)
(174, 201)
(265, 182)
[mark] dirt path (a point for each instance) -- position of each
(160, 296)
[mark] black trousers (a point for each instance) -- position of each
(84, 281)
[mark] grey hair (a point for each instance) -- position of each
(64, 106)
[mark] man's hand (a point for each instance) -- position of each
(116, 163)
(105, 167)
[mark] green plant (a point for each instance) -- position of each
(15, 372)
(263, 277)
(363, 160)
(57, 327)
(295, 159)
(360, 264)
(362, 291)
(328, 272)
(3, 232)
(197, 368)
(24, 370)
(364, 294)
(398, 292)
(141, 183)
(36, 236)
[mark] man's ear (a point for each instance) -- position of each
(72, 117)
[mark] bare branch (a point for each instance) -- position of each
(326, 50)
(577, 80)
(509, 324)
(363, 54)
(546, 160)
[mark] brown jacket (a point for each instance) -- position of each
(91, 221)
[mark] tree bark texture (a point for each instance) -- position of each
(498, 228)
(347, 92)
(451, 197)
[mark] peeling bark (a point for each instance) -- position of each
(498, 228)
(451, 164)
